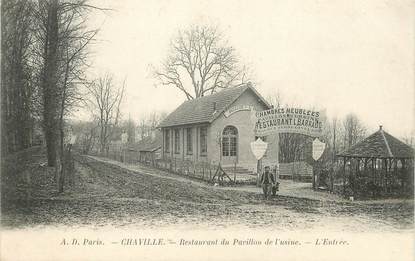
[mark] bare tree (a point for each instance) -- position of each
(48, 43)
(89, 139)
(17, 88)
(75, 38)
(64, 59)
(200, 62)
(142, 129)
(88, 134)
(334, 138)
(129, 127)
(276, 99)
(105, 100)
(292, 146)
(43, 59)
(148, 123)
(409, 139)
(353, 130)
(60, 56)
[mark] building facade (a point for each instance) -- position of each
(217, 128)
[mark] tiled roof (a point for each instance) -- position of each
(380, 145)
(201, 110)
(151, 146)
(149, 143)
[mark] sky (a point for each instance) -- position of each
(345, 56)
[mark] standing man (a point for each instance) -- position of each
(267, 180)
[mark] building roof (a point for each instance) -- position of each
(201, 110)
(379, 145)
(149, 144)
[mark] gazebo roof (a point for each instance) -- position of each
(379, 145)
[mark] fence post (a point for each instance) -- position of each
(234, 172)
(203, 171)
(344, 176)
(194, 168)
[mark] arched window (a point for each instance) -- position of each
(229, 141)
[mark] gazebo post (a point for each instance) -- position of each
(390, 175)
(388, 168)
(374, 176)
(365, 172)
(395, 171)
(365, 166)
(385, 172)
(391, 171)
(355, 175)
(344, 176)
(388, 178)
(403, 174)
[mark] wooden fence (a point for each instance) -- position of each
(198, 170)
(367, 181)
(206, 171)
(296, 171)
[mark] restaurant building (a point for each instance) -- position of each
(217, 128)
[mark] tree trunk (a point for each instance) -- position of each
(49, 82)
(50, 138)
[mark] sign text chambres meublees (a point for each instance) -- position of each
(289, 120)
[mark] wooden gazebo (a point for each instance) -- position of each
(380, 165)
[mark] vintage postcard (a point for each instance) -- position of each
(207, 130)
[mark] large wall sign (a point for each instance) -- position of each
(289, 120)
(237, 108)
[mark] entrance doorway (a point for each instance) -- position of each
(230, 145)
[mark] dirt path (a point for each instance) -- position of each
(105, 194)
(144, 170)
(287, 188)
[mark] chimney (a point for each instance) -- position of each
(214, 107)
(380, 127)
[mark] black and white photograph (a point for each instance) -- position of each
(207, 130)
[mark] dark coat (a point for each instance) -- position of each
(271, 178)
